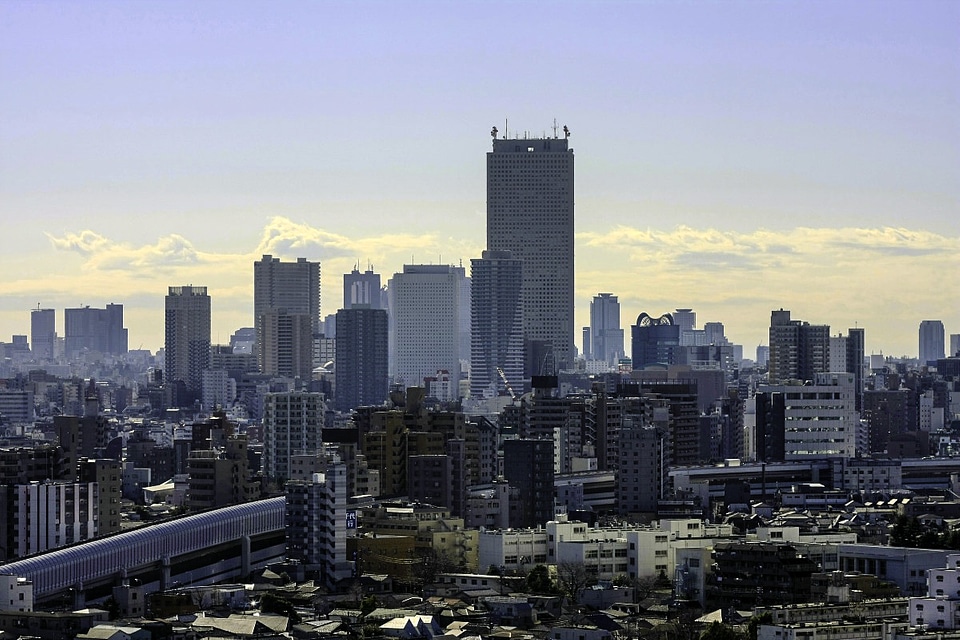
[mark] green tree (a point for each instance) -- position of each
(753, 627)
(272, 603)
(720, 631)
(539, 581)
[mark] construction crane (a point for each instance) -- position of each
(503, 376)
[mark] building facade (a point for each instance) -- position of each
(43, 333)
(94, 330)
(496, 318)
(798, 350)
(606, 336)
(530, 212)
(425, 309)
(932, 342)
(292, 424)
(361, 357)
(187, 337)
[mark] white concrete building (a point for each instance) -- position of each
(940, 608)
(425, 322)
(821, 419)
(16, 593)
(50, 515)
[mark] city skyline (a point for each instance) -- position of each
(733, 159)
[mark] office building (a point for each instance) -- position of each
(89, 330)
(43, 333)
(425, 308)
(282, 291)
(496, 316)
(187, 338)
(361, 357)
(655, 341)
(361, 289)
(530, 209)
(606, 336)
(798, 350)
(931, 341)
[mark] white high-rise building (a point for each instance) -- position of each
(606, 336)
(425, 318)
(530, 213)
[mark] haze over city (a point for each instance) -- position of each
(733, 158)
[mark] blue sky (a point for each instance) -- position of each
(733, 157)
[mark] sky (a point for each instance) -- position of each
(731, 157)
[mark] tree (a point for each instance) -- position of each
(272, 603)
(721, 631)
(432, 562)
(539, 581)
(572, 579)
(753, 627)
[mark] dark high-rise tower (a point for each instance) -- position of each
(931, 341)
(798, 350)
(606, 339)
(855, 356)
(361, 360)
(94, 330)
(530, 213)
(187, 337)
(496, 322)
(43, 333)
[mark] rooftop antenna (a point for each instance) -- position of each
(566, 131)
(555, 128)
(506, 127)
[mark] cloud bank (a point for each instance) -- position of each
(884, 279)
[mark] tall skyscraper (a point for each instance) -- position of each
(361, 357)
(361, 289)
(187, 337)
(855, 365)
(94, 330)
(43, 333)
(798, 350)
(282, 291)
(425, 308)
(932, 337)
(530, 213)
(606, 336)
(496, 317)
